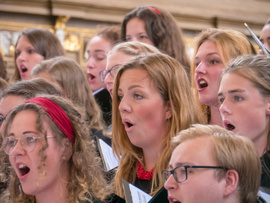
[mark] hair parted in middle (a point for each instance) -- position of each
(163, 31)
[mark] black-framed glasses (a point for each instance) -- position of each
(2, 118)
(27, 142)
(180, 173)
(112, 71)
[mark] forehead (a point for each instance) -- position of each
(234, 81)
(118, 57)
(198, 151)
(23, 121)
(10, 102)
(266, 31)
(99, 43)
(135, 75)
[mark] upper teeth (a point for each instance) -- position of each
(202, 82)
(22, 166)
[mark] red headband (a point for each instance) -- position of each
(57, 114)
(154, 9)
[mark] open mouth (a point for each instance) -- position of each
(23, 169)
(202, 83)
(173, 200)
(229, 126)
(129, 124)
(92, 77)
(24, 69)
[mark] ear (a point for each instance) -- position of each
(67, 149)
(268, 106)
(168, 110)
(231, 178)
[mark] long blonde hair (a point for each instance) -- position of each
(230, 44)
(170, 80)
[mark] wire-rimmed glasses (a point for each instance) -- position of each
(180, 173)
(112, 71)
(27, 141)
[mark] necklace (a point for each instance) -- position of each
(142, 174)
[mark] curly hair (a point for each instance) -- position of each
(86, 182)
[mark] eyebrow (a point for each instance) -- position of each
(232, 92)
(130, 88)
(209, 54)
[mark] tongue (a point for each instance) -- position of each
(24, 170)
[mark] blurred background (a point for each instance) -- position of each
(75, 21)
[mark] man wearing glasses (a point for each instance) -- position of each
(211, 164)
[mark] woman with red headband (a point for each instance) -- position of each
(52, 158)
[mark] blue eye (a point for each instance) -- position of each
(138, 96)
(237, 98)
(11, 142)
(30, 139)
(221, 100)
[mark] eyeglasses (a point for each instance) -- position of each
(112, 71)
(27, 143)
(2, 118)
(180, 173)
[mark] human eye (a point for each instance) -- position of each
(238, 98)
(31, 51)
(11, 142)
(138, 96)
(17, 52)
(100, 57)
(142, 37)
(30, 139)
(213, 62)
(128, 39)
(119, 97)
(221, 100)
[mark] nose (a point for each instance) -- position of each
(200, 68)
(108, 79)
(21, 57)
(18, 149)
(170, 184)
(90, 63)
(224, 108)
(124, 106)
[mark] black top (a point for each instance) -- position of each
(265, 178)
(104, 100)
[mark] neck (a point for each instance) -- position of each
(56, 192)
(215, 117)
(150, 158)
